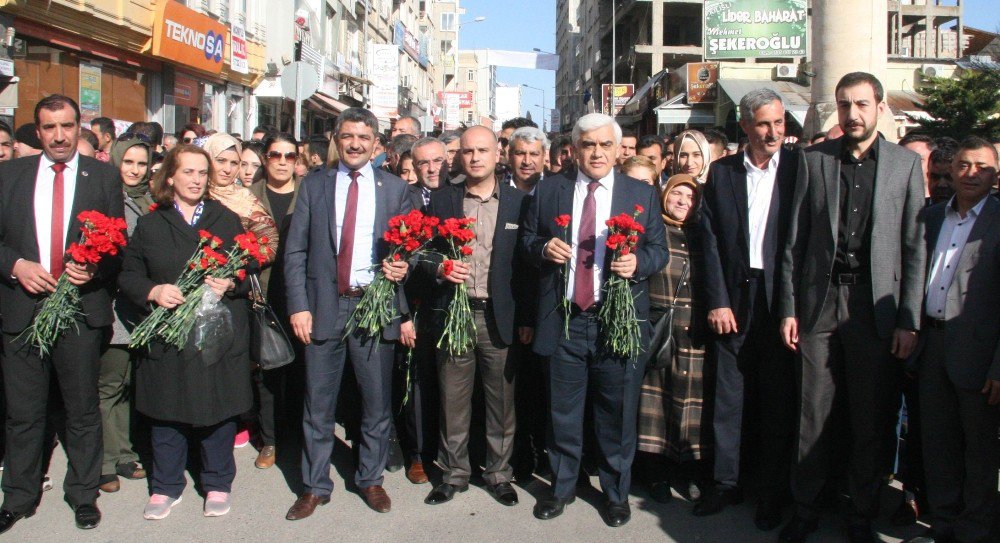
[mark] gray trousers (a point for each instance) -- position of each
(850, 388)
(961, 449)
(372, 363)
(456, 378)
(115, 392)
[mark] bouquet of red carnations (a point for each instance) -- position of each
(172, 326)
(459, 329)
(563, 221)
(100, 235)
(407, 235)
(617, 314)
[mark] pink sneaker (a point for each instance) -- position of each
(242, 439)
(217, 504)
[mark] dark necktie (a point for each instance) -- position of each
(57, 244)
(583, 278)
(347, 236)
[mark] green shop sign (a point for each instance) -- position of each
(755, 28)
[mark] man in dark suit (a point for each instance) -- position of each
(333, 243)
(487, 273)
(959, 364)
(582, 360)
(851, 291)
(40, 199)
(745, 207)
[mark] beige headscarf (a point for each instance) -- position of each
(676, 180)
(239, 199)
(706, 152)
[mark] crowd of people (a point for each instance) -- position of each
(817, 317)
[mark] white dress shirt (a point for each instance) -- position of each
(947, 253)
(602, 197)
(760, 186)
(43, 204)
(363, 256)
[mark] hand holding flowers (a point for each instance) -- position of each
(617, 313)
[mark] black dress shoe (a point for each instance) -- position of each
(87, 516)
(797, 530)
(503, 493)
(550, 508)
(443, 493)
(618, 514)
(861, 532)
(717, 499)
(768, 515)
(9, 518)
(933, 536)
(660, 491)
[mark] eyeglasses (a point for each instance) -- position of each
(132, 135)
(275, 155)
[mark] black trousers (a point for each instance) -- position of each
(170, 454)
(962, 452)
(532, 405)
(420, 412)
(578, 363)
(279, 400)
(75, 361)
(755, 384)
(847, 375)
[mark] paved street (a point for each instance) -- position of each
(262, 497)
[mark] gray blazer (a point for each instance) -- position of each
(898, 253)
(973, 319)
(311, 248)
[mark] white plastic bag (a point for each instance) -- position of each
(213, 327)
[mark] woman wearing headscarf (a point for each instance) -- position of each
(226, 153)
(670, 405)
(131, 156)
(692, 155)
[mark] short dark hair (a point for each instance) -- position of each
(4, 127)
(199, 131)
(947, 143)
(942, 154)
(265, 129)
(162, 192)
(106, 125)
(277, 137)
(55, 102)
(402, 143)
(518, 122)
(558, 143)
(152, 131)
(817, 136)
(856, 78)
(357, 115)
(975, 143)
(917, 137)
(320, 146)
(649, 141)
(630, 134)
(714, 136)
(91, 137)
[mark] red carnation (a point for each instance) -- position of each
(241, 274)
(466, 250)
(447, 267)
(563, 221)
(639, 209)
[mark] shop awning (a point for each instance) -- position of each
(637, 103)
(673, 110)
(797, 98)
(908, 104)
(327, 104)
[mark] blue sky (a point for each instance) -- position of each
(521, 25)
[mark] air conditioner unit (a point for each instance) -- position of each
(904, 50)
(786, 71)
(932, 70)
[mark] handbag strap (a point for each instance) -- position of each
(256, 293)
(680, 281)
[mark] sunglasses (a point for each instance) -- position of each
(275, 155)
(131, 135)
(187, 140)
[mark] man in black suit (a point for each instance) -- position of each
(488, 275)
(852, 282)
(40, 198)
(582, 360)
(745, 207)
(333, 243)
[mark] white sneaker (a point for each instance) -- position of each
(217, 503)
(159, 506)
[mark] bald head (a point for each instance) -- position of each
(479, 152)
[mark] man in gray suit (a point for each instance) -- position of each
(333, 245)
(959, 363)
(852, 286)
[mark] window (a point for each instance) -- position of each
(448, 21)
(468, 116)
(445, 46)
(470, 75)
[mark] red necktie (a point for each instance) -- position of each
(57, 244)
(347, 236)
(583, 278)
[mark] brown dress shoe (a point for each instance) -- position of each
(416, 473)
(305, 505)
(109, 483)
(265, 458)
(376, 498)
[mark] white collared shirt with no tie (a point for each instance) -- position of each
(760, 187)
(947, 253)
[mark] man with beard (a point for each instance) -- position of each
(653, 148)
(561, 156)
(851, 293)
(405, 125)
(526, 156)
(451, 142)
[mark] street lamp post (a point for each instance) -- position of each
(545, 126)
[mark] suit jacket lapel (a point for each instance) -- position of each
(970, 255)
(30, 178)
(564, 199)
(330, 190)
(935, 218)
(738, 181)
(831, 179)
(882, 191)
(81, 197)
(381, 213)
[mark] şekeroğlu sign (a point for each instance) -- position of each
(755, 28)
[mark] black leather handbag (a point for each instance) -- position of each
(269, 344)
(663, 345)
